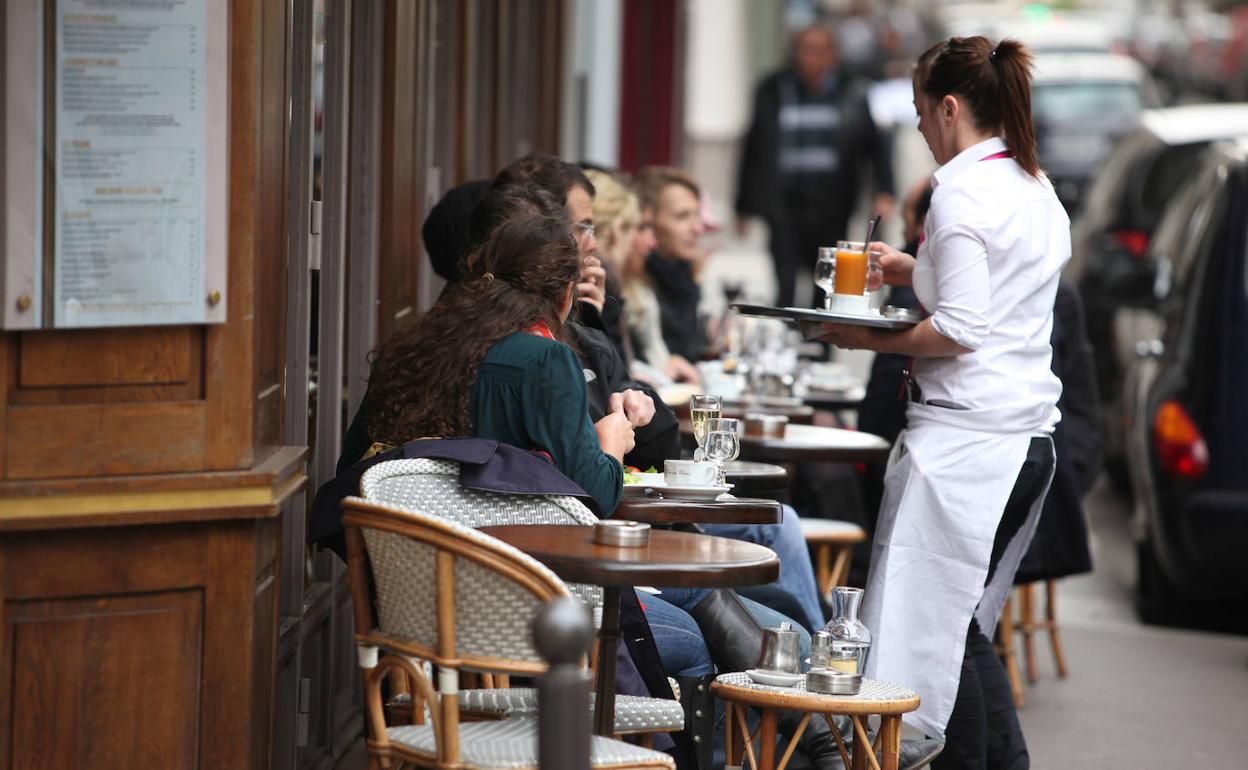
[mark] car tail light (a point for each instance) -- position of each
(1134, 241)
(1181, 449)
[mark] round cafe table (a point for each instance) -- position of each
(797, 413)
(731, 510)
(816, 442)
(755, 478)
(835, 400)
(676, 559)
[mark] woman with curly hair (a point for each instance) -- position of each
(489, 360)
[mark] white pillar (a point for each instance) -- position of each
(591, 122)
(717, 84)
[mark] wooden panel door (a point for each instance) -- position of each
(75, 662)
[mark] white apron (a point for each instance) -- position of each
(949, 477)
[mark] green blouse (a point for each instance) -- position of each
(530, 393)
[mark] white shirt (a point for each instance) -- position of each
(994, 245)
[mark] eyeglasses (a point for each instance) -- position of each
(586, 230)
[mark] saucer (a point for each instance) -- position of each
(774, 678)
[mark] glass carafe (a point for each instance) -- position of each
(847, 631)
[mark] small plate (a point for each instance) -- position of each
(674, 492)
(774, 678)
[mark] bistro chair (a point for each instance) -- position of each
(432, 487)
(460, 600)
(833, 543)
(1003, 644)
(1028, 625)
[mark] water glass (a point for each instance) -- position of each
(825, 273)
(875, 280)
(723, 442)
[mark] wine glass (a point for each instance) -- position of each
(701, 409)
(723, 442)
(825, 273)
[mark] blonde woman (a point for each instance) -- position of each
(625, 238)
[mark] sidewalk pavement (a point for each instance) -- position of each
(1137, 696)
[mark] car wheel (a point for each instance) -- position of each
(1157, 600)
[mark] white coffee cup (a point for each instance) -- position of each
(687, 473)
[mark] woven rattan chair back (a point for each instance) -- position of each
(432, 487)
(443, 591)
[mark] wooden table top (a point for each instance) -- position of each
(816, 442)
(740, 510)
(744, 470)
(850, 398)
(795, 409)
(798, 413)
(677, 559)
(757, 479)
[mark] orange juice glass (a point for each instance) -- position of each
(851, 268)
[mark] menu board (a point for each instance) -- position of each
(138, 185)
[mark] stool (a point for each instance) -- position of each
(885, 699)
(833, 543)
(1028, 625)
(1003, 644)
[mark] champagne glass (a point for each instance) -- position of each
(723, 442)
(701, 409)
(825, 272)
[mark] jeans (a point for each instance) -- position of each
(794, 593)
(678, 638)
(983, 730)
(676, 634)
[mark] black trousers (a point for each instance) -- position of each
(797, 232)
(983, 731)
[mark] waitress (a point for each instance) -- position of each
(966, 479)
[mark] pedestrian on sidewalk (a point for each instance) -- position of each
(802, 164)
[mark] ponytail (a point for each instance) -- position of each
(993, 81)
(1013, 64)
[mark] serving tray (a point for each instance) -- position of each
(796, 314)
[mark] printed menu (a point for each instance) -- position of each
(130, 143)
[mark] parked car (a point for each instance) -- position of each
(1111, 235)
(1081, 104)
(1187, 433)
(1041, 29)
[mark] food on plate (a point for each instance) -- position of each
(635, 475)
